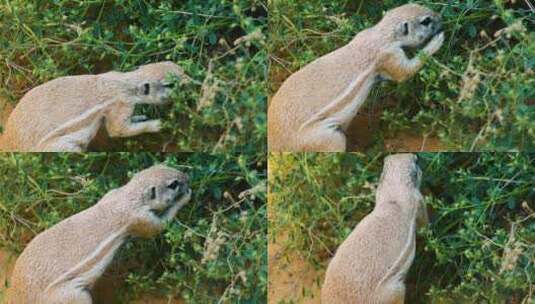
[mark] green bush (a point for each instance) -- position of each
(475, 94)
(39, 190)
(480, 243)
(219, 44)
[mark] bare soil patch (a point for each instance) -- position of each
(7, 262)
(291, 277)
(364, 127)
(5, 110)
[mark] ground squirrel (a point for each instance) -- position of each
(371, 264)
(314, 106)
(61, 264)
(65, 114)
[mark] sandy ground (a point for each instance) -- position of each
(5, 110)
(291, 278)
(412, 143)
(104, 290)
(7, 261)
(361, 131)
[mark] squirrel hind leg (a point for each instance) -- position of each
(60, 146)
(68, 143)
(323, 138)
(69, 294)
(391, 294)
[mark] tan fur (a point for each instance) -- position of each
(66, 113)
(371, 264)
(314, 106)
(61, 264)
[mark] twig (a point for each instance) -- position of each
(531, 7)
(508, 181)
(192, 14)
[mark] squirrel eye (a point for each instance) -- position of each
(146, 89)
(174, 185)
(426, 21)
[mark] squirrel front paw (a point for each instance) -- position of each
(434, 45)
(139, 118)
(153, 126)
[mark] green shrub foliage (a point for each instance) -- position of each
(214, 250)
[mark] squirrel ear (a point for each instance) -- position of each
(149, 193)
(144, 88)
(402, 29)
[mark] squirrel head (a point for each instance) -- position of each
(412, 25)
(400, 181)
(156, 192)
(401, 168)
(152, 80)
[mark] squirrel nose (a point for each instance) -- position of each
(168, 85)
(174, 185)
(182, 191)
(180, 186)
(438, 26)
(183, 188)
